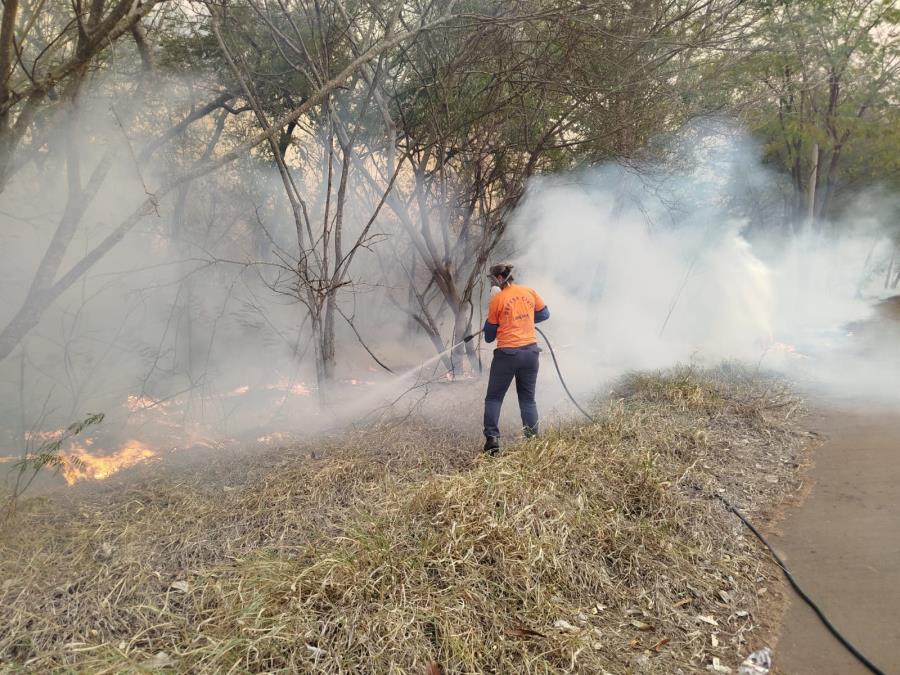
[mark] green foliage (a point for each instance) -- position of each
(47, 456)
(823, 75)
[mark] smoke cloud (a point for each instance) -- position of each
(644, 266)
(183, 334)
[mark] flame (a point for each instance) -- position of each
(295, 388)
(85, 458)
(135, 403)
(98, 467)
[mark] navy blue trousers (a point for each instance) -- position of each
(521, 364)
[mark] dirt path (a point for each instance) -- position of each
(843, 545)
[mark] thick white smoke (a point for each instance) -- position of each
(643, 266)
(647, 266)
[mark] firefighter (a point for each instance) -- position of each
(512, 313)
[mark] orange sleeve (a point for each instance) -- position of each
(539, 303)
(494, 310)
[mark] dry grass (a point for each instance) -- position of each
(587, 550)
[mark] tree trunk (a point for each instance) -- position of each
(813, 182)
(462, 326)
(7, 38)
(321, 378)
(184, 350)
(411, 324)
(328, 344)
(830, 177)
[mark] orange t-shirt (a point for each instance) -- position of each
(512, 309)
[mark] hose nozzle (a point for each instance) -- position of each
(471, 337)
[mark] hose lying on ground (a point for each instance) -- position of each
(808, 600)
(561, 379)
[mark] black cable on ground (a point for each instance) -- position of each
(562, 380)
(731, 507)
(808, 600)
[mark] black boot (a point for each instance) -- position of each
(492, 445)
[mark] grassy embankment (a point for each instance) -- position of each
(588, 550)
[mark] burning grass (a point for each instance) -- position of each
(588, 550)
(87, 465)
